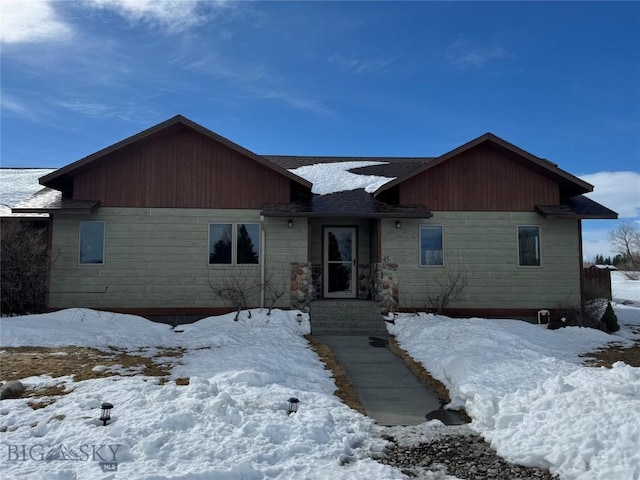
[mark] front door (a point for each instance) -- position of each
(340, 266)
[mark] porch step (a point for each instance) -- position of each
(346, 318)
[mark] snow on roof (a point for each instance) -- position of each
(17, 184)
(335, 177)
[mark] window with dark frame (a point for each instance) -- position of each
(234, 244)
(529, 246)
(431, 246)
(91, 243)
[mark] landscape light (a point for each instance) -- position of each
(105, 416)
(398, 224)
(299, 318)
(293, 405)
(290, 223)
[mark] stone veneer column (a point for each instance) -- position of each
(387, 286)
(302, 289)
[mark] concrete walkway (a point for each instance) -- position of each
(387, 389)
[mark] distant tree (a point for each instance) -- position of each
(617, 260)
(625, 241)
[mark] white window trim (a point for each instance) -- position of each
(104, 244)
(420, 245)
(234, 245)
(539, 227)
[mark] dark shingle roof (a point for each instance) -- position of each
(577, 207)
(48, 200)
(342, 204)
(392, 167)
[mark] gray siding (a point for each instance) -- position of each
(484, 245)
(158, 258)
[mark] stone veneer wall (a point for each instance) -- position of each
(386, 286)
(303, 291)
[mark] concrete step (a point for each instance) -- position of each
(346, 317)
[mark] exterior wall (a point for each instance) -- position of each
(180, 168)
(484, 178)
(485, 246)
(158, 258)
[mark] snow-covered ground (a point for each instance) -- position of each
(528, 394)
(230, 422)
(523, 385)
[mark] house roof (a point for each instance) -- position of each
(60, 177)
(390, 166)
(49, 200)
(573, 185)
(347, 203)
(577, 207)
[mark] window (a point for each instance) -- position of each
(431, 252)
(529, 246)
(91, 244)
(220, 237)
(237, 244)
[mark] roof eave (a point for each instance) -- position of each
(49, 180)
(546, 165)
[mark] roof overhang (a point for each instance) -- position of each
(578, 207)
(50, 201)
(351, 203)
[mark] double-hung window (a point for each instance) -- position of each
(431, 246)
(529, 246)
(234, 243)
(91, 243)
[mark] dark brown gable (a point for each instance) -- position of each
(486, 177)
(178, 167)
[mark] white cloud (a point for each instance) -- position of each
(126, 111)
(32, 21)
(12, 105)
(619, 191)
(174, 15)
(359, 66)
(464, 55)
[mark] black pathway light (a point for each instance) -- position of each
(105, 416)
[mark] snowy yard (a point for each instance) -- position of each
(529, 395)
(523, 385)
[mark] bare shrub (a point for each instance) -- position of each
(241, 286)
(451, 285)
(237, 286)
(274, 286)
(24, 266)
(631, 274)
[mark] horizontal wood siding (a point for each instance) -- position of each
(485, 178)
(180, 168)
(484, 245)
(158, 258)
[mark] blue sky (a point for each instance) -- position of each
(561, 80)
